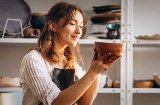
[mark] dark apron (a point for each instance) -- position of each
(63, 78)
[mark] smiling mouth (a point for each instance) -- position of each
(75, 37)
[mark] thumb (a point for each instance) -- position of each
(95, 55)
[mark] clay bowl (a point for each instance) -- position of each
(144, 83)
(103, 48)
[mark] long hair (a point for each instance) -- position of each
(46, 43)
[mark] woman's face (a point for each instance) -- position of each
(69, 35)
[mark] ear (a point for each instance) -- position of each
(52, 26)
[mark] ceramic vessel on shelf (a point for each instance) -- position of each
(156, 78)
(144, 83)
(113, 31)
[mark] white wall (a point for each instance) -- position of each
(45, 5)
(11, 56)
(146, 61)
(146, 17)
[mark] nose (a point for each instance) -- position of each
(78, 30)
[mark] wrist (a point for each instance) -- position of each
(92, 75)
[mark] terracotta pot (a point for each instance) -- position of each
(9, 82)
(103, 48)
(31, 33)
(144, 83)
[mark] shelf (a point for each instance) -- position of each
(146, 43)
(89, 40)
(101, 90)
(146, 90)
(18, 40)
(109, 90)
(10, 89)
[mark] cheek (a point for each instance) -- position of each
(67, 30)
(63, 33)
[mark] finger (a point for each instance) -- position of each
(105, 69)
(107, 66)
(105, 56)
(111, 59)
(116, 57)
(118, 54)
(106, 61)
(95, 55)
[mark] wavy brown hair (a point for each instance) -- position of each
(46, 43)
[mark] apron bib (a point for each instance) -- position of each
(63, 78)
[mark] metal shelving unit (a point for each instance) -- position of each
(88, 40)
(10, 89)
(135, 7)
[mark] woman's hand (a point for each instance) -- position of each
(100, 64)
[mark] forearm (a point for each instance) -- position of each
(91, 93)
(74, 92)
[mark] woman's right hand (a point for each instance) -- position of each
(100, 64)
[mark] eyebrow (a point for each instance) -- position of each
(76, 21)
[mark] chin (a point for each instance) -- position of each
(73, 44)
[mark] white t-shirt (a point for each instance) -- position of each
(36, 81)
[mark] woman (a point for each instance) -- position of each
(62, 30)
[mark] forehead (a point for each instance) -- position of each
(78, 16)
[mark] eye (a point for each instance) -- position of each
(81, 26)
(72, 23)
